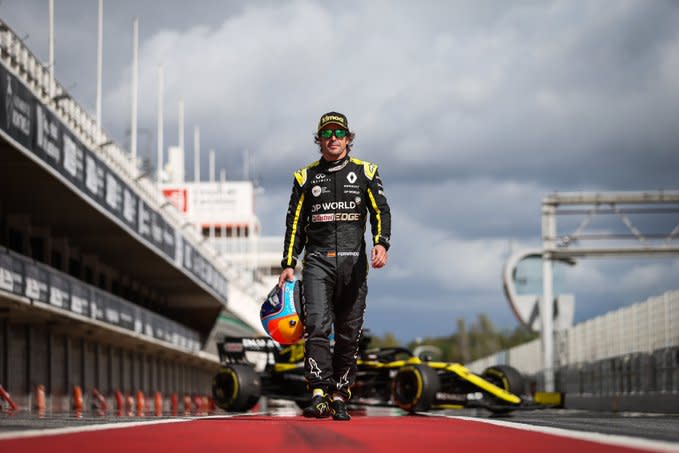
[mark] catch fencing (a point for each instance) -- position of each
(631, 350)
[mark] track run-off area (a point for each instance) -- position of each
(556, 431)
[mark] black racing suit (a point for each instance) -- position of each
(327, 216)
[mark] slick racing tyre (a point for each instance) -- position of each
(414, 387)
(236, 388)
(507, 378)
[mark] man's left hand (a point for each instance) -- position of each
(380, 256)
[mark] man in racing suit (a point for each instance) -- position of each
(326, 217)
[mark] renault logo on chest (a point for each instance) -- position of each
(351, 177)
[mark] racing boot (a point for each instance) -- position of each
(338, 407)
(319, 407)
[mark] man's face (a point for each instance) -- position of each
(333, 148)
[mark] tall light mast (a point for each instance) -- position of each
(196, 154)
(51, 49)
(135, 89)
(159, 163)
(100, 59)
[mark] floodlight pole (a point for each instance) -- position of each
(135, 88)
(159, 160)
(100, 63)
(51, 48)
(180, 128)
(180, 137)
(196, 154)
(212, 165)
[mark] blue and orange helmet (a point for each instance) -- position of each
(281, 313)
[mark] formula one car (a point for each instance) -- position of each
(386, 377)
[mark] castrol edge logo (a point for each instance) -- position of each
(336, 217)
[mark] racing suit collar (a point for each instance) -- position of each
(335, 165)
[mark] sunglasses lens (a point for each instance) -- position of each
(339, 133)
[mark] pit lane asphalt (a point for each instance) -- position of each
(662, 427)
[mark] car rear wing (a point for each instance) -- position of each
(233, 349)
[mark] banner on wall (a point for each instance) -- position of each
(41, 283)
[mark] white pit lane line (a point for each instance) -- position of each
(609, 439)
(86, 428)
(104, 426)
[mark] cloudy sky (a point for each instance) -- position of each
(475, 111)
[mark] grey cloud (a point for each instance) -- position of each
(474, 111)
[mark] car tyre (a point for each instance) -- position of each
(414, 387)
(505, 377)
(236, 388)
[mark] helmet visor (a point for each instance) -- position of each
(272, 304)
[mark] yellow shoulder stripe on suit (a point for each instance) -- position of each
(300, 175)
(368, 167)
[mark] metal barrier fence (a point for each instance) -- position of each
(633, 350)
(630, 374)
(642, 327)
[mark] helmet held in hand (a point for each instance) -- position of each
(281, 313)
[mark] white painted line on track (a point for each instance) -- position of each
(232, 415)
(610, 439)
(86, 428)
(104, 426)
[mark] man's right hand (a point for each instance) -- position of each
(288, 274)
